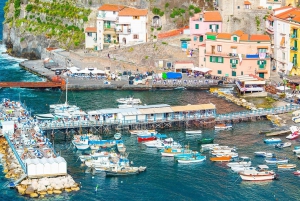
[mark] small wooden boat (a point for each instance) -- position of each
(272, 140)
(244, 161)
(223, 126)
(117, 136)
(283, 145)
(221, 159)
(286, 166)
(206, 140)
(194, 132)
(207, 147)
(192, 159)
(276, 161)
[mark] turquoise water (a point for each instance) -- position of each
(164, 179)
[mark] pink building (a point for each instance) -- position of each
(200, 23)
(236, 54)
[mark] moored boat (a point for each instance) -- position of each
(297, 172)
(170, 152)
(117, 136)
(244, 161)
(207, 147)
(292, 136)
(221, 159)
(205, 140)
(258, 175)
(223, 126)
(283, 145)
(276, 161)
(263, 154)
(286, 166)
(272, 140)
(192, 159)
(193, 132)
(130, 100)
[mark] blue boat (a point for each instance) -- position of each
(272, 140)
(192, 159)
(187, 155)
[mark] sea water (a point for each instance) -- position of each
(164, 179)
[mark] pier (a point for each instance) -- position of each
(31, 85)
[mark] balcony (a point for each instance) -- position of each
(233, 66)
(270, 28)
(257, 56)
(109, 31)
(233, 55)
(293, 36)
(124, 32)
(294, 48)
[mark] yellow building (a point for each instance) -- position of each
(294, 51)
(291, 3)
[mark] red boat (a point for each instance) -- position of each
(146, 138)
(297, 172)
(293, 136)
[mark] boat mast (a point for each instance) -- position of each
(66, 92)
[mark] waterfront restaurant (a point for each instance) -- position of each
(114, 115)
(250, 84)
(193, 111)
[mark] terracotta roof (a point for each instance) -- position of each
(260, 38)
(244, 37)
(282, 8)
(270, 18)
(51, 48)
(211, 33)
(224, 36)
(295, 13)
(133, 12)
(91, 29)
(111, 7)
(238, 32)
(212, 16)
(247, 3)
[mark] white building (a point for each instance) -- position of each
(106, 24)
(270, 4)
(132, 26)
(281, 40)
(91, 38)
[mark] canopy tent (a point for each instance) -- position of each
(282, 88)
(89, 71)
(203, 70)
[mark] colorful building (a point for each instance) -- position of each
(236, 54)
(200, 23)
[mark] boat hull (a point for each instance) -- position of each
(141, 139)
(257, 178)
(221, 159)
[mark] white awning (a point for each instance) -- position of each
(255, 82)
(282, 88)
(184, 66)
(204, 69)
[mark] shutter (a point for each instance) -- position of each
(258, 62)
(265, 62)
(217, 26)
(222, 59)
(210, 26)
(295, 44)
(210, 58)
(231, 61)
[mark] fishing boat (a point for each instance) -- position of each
(272, 140)
(117, 136)
(286, 166)
(194, 132)
(223, 126)
(221, 159)
(260, 174)
(146, 138)
(117, 170)
(170, 152)
(232, 154)
(160, 144)
(192, 159)
(129, 100)
(263, 154)
(276, 161)
(137, 132)
(207, 147)
(244, 161)
(240, 168)
(205, 140)
(283, 145)
(81, 143)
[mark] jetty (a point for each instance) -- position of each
(34, 85)
(275, 133)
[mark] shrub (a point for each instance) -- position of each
(156, 11)
(197, 10)
(17, 12)
(161, 13)
(164, 43)
(22, 39)
(85, 18)
(191, 7)
(159, 28)
(29, 7)
(146, 57)
(167, 5)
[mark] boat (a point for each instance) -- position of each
(286, 166)
(137, 132)
(192, 159)
(146, 138)
(121, 148)
(170, 152)
(205, 140)
(180, 88)
(207, 147)
(160, 144)
(276, 161)
(260, 174)
(194, 132)
(117, 170)
(263, 154)
(292, 136)
(240, 168)
(223, 126)
(272, 140)
(244, 161)
(296, 151)
(117, 136)
(129, 100)
(232, 154)
(297, 172)
(283, 145)
(221, 159)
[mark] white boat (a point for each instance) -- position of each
(263, 154)
(286, 166)
(117, 136)
(240, 168)
(223, 126)
(160, 144)
(121, 148)
(232, 154)
(244, 161)
(140, 132)
(196, 159)
(207, 147)
(261, 174)
(194, 132)
(283, 145)
(276, 161)
(130, 101)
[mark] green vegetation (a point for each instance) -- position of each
(181, 16)
(146, 57)
(130, 49)
(157, 11)
(49, 19)
(257, 22)
(164, 43)
(22, 39)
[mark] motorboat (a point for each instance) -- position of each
(296, 151)
(283, 145)
(205, 140)
(193, 132)
(297, 173)
(240, 168)
(232, 154)
(160, 144)
(207, 147)
(223, 126)
(277, 161)
(122, 171)
(260, 174)
(192, 159)
(272, 140)
(137, 132)
(292, 136)
(121, 148)
(244, 161)
(263, 154)
(221, 159)
(129, 100)
(286, 166)
(117, 136)
(170, 152)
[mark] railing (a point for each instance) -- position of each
(15, 152)
(270, 28)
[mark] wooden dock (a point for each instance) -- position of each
(31, 85)
(275, 133)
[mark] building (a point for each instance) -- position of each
(201, 23)
(271, 4)
(132, 26)
(91, 37)
(106, 25)
(236, 54)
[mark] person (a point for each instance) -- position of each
(108, 56)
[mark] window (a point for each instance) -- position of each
(242, 73)
(219, 72)
(233, 73)
(220, 59)
(204, 59)
(114, 12)
(238, 7)
(200, 19)
(262, 50)
(201, 39)
(136, 17)
(90, 34)
(234, 61)
(235, 39)
(196, 26)
(219, 48)
(233, 50)
(214, 59)
(283, 55)
(195, 38)
(135, 36)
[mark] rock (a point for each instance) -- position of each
(21, 190)
(68, 190)
(57, 191)
(34, 195)
(49, 192)
(29, 190)
(75, 189)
